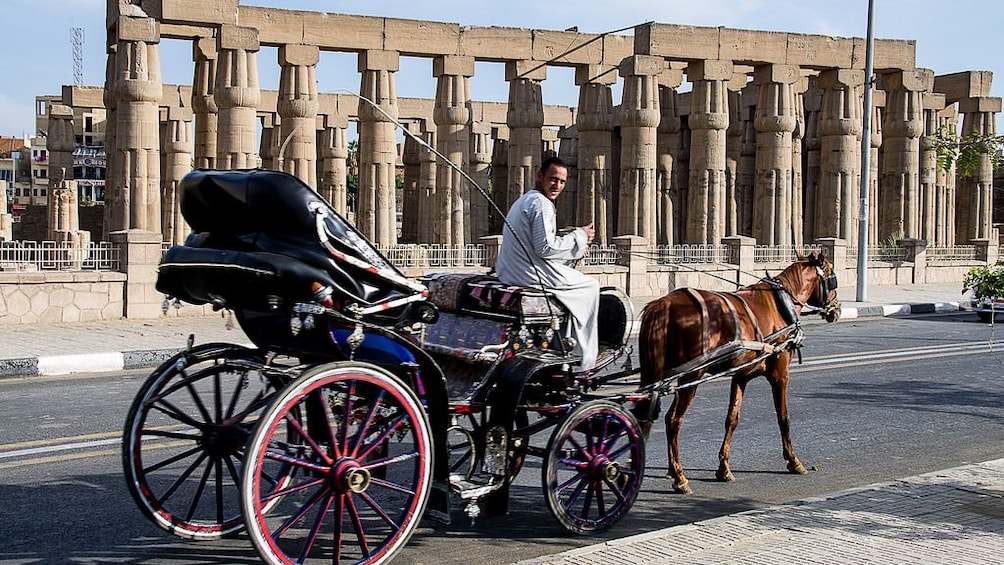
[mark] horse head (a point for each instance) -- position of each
(824, 295)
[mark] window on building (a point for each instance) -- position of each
(79, 139)
(88, 140)
(41, 107)
(88, 124)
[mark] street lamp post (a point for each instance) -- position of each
(866, 126)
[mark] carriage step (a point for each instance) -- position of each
(468, 489)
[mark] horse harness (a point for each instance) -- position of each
(788, 337)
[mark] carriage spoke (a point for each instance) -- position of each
(361, 435)
(379, 509)
(397, 423)
(171, 434)
(392, 486)
(171, 411)
(358, 525)
(203, 480)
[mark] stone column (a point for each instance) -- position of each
(639, 117)
(333, 153)
(797, 186)
(59, 143)
(500, 177)
(945, 179)
(62, 211)
(746, 167)
(412, 217)
(176, 141)
(297, 107)
(709, 119)
(733, 153)
(904, 122)
(204, 103)
(113, 171)
(271, 138)
(930, 214)
(376, 213)
(568, 151)
(837, 201)
(812, 102)
(669, 146)
(878, 109)
(480, 170)
(237, 95)
(525, 117)
(427, 188)
(138, 90)
(975, 192)
(452, 115)
(774, 122)
(594, 121)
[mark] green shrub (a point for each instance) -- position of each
(985, 281)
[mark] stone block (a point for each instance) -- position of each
(595, 74)
(533, 70)
(215, 12)
(967, 84)
(238, 37)
(671, 78)
(754, 47)
(146, 30)
(686, 43)
(783, 74)
(453, 65)
(839, 78)
(204, 48)
(421, 37)
(933, 101)
(566, 47)
(379, 60)
(496, 43)
(889, 53)
(980, 104)
(641, 65)
(913, 80)
(709, 70)
(820, 51)
(353, 32)
(293, 54)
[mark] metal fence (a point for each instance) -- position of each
(434, 255)
(951, 253)
(601, 255)
(53, 256)
(879, 254)
(694, 253)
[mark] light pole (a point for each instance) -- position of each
(866, 127)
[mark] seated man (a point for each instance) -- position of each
(538, 257)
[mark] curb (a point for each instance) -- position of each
(881, 310)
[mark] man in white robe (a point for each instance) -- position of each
(544, 257)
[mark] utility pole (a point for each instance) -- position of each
(866, 154)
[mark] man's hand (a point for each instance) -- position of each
(590, 232)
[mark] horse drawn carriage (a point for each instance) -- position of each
(368, 400)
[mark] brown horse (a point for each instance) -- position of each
(689, 334)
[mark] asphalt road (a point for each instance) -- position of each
(874, 400)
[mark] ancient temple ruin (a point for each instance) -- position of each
(764, 141)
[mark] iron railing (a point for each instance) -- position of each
(951, 253)
(434, 255)
(53, 256)
(692, 253)
(601, 255)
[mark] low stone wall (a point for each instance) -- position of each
(44, 297)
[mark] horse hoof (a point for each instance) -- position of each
(797, 469)
(682, 488)
(726, 477)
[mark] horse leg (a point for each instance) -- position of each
(674, 420)
(779, 388)
(736, 392)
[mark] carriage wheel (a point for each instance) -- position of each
(594, 465)
(184, 437)
(360, 445)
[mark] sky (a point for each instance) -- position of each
(950, 37)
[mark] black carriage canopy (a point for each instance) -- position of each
(255, 238)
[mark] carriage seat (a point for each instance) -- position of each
(486, 297)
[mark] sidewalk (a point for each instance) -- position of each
(954, 517)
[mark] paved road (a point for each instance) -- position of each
(901, 411)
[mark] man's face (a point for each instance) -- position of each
(552, 181)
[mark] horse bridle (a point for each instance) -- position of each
(827, 284)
